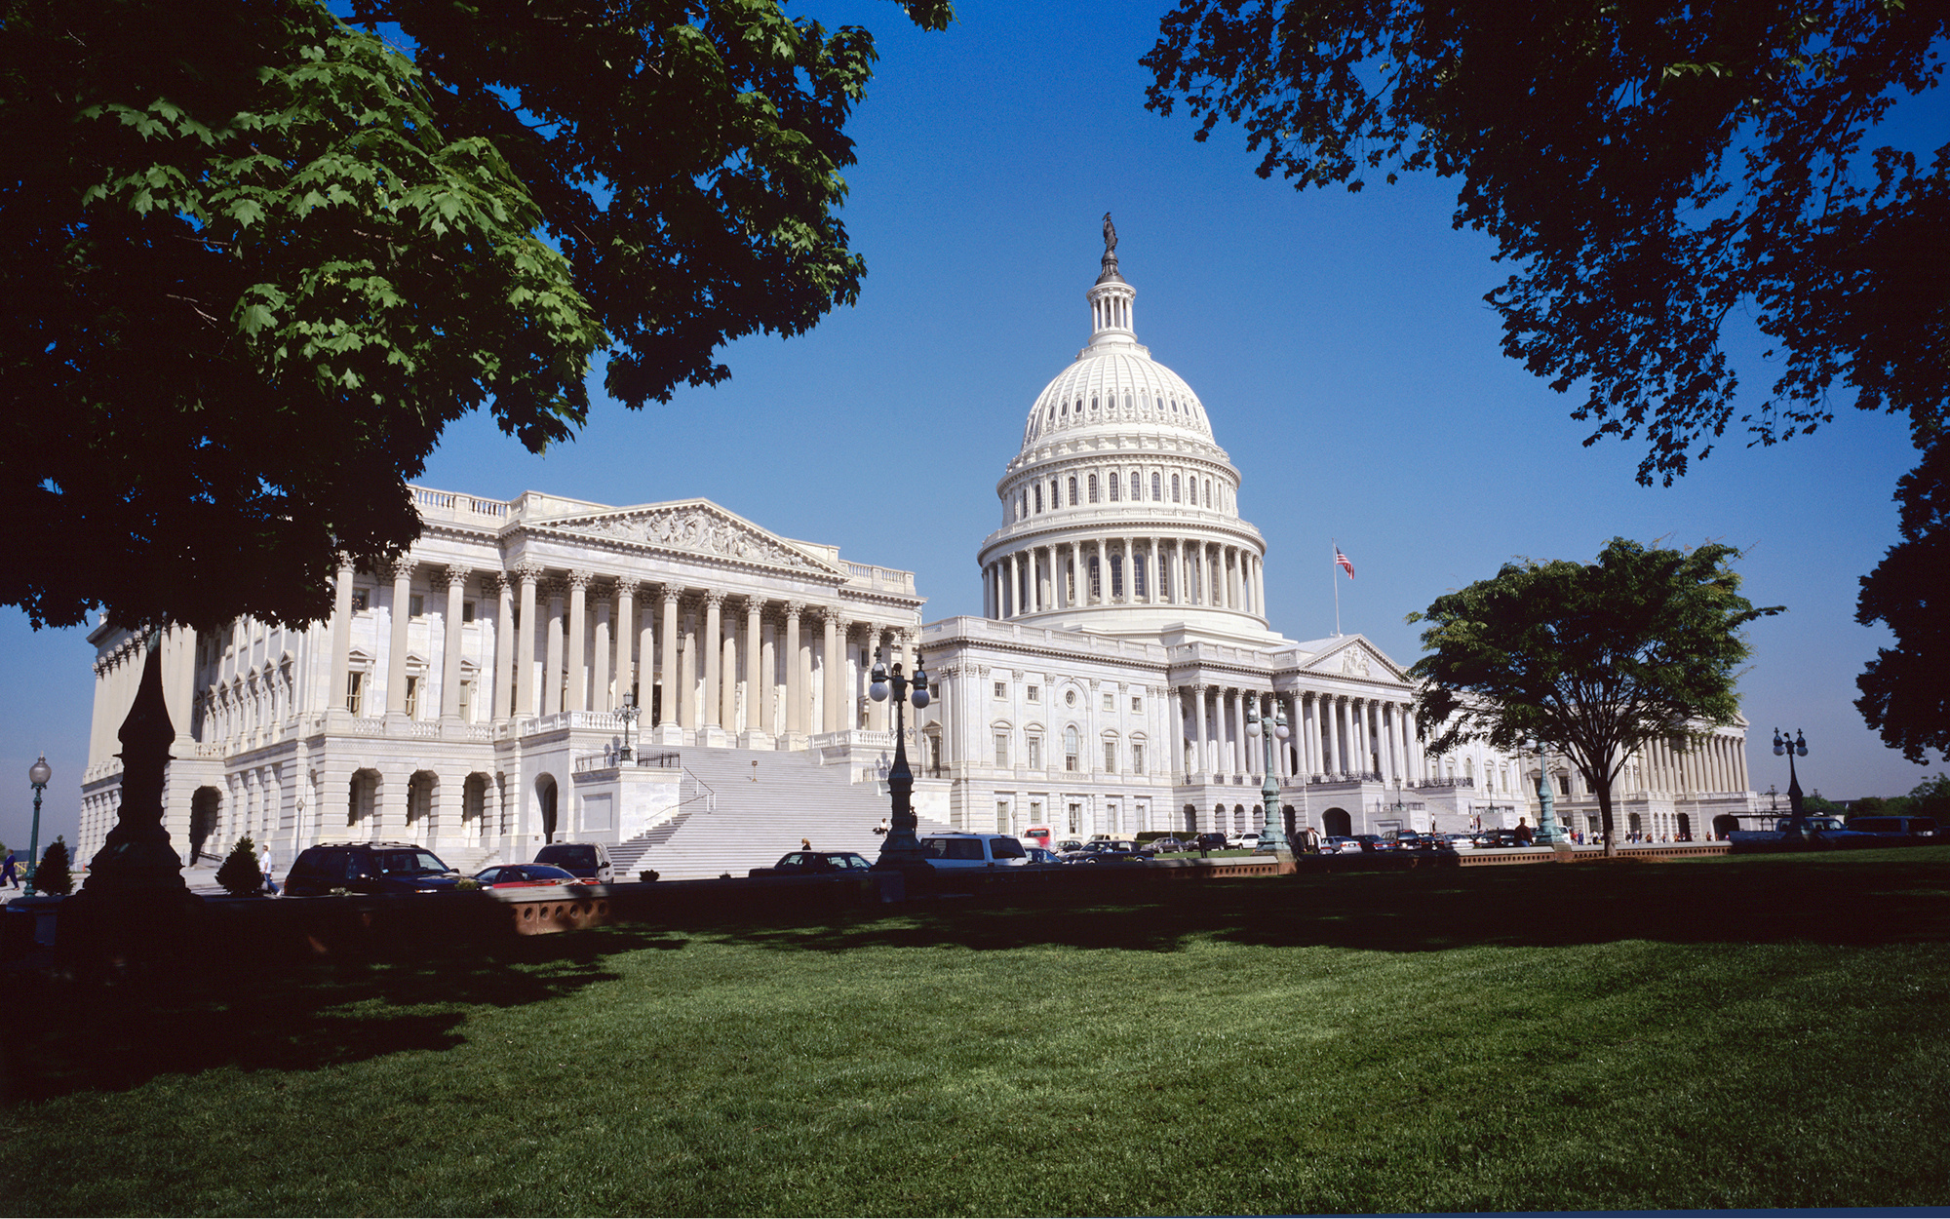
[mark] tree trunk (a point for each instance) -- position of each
(1603, 788)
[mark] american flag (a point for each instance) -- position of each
(1343, 562)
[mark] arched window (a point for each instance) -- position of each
(1137, 575)
(1157, 486)
(1093, 488)
(1096, 579)
(1208, 493)
(1073, 490)
(1066, 410)
(1174, 406)
(1115, 483)
(1117, 575)
(1093, 406)
(1174, 490)
(1137, 487)
(1055, 495)
(1039, 497)
(1051, 417)
(1070, 747)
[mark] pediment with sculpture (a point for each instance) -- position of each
(696, 527)
(1357, 658)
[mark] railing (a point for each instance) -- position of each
(453, 505)
(611, 759)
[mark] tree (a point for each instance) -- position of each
(1931, 798)
(53, 875)
(240, 873)
(1904, 696)
(1652, 168)
(1597, 659)
(258, 259)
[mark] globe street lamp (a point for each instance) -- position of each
(629, 711)
(1798, 823)
(901, 845)
(1272, 836)
(38, 774)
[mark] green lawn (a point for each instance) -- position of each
(1750, 1032)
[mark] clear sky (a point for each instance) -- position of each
(1339, 342)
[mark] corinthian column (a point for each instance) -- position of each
(795, 679)
(341, 636)
(402, 573)
(525, 644)
(578, 692)
(504, 645)
(830, 667)
(711, 642)
(454, 581)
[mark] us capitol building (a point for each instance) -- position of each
(548, 668)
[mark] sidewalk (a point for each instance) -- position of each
(201, 878)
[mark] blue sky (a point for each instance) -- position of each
(1340, 344)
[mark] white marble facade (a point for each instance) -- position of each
(465, 697)
(468, 697)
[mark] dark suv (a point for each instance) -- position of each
(588, 860)
(368, 867)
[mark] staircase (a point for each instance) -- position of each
(743, 808)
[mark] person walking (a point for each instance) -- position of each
(9, 874)
(270, 874)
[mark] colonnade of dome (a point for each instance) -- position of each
(1121, 510)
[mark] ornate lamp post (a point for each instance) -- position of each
(38, 774)
(1548, 833)
(1272, 836)
(629, 711)
(1798, 822)
(901, 845)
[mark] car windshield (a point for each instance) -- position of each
(1005, 848)
(408, 863)
(845, 861)
(568, 857)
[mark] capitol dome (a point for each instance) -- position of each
(1120, 512)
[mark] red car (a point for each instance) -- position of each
(525, 875)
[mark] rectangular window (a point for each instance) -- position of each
(1035, 753)
(355, 691)
(1110, 700)
(1069, 758)
(1110, 757)
(1137, 702)
(1564, 785)
(467, 611)
(1001, 816)
(1117, 575)
(416, 606)
(412, 698)
(361, 600)
(1137, 758)
(1137, 575)
(1110, 818)
(1001, 749)
(1034, 694)
(1001, 690)
(1096, 579)
(1035, 812)
(1076, 818)
(467, 702)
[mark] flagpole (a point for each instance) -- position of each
(1333, 564)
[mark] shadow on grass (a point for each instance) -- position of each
(1858, 898)
(245, 1011)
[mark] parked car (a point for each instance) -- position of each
(1373, 843)
(1067, 845)
(588, 860)
(525, 876)
(368, 867)
(1096, 858)
(958, 850)
(1457, 842)
(1039, 855)
(1242, 842)
(1338, 844)
(1209, 842)
(1910, 829)
(1165, 846)
(1489, 839)
(811, 863)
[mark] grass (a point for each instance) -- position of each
(1740, 1033)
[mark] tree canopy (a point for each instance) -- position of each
(1596, 659)
(1904, 694)
(259, 259)
(1650, 167)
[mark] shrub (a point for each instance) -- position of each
(54, 876)
(241, 874)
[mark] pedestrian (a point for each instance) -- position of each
(270, 874)
(9, 874)
(805, 844)
(1524, 836)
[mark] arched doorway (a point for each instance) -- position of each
(545, 801)
(1289, 822)
(473, 807)
(363, 800)
(1239, 823)
(1191, 819)
(205, 805)
(1724, 824)
(419, 805)
(1335, 823)
(1685, 827)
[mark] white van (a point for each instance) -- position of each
(957, 850)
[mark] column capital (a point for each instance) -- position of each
(395, 569)
(528, 573)
(580, 578)
(713, 599)
(444, 578)
(794, 610)
(669, 595)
